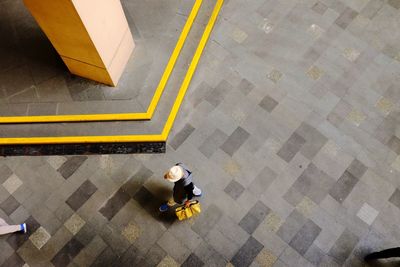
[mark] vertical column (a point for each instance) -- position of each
(91, 36)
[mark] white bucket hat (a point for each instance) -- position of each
(174, 174)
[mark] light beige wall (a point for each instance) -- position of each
(91, 36)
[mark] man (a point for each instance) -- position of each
(184, 189)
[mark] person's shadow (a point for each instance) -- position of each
(385, 258)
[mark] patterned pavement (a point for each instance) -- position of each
(292, 129)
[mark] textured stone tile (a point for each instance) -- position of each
(346, 18)
(153, 257)
(207, 221)
(351, 54)
(394, 144)
(238, 35)
(262, 181)
(216, 96)
(273, 222)
(209, 255)
(367, 214)
(306, 207)
(305, 237)
(319, 7)
(71, 165)
(395, 198)
(291, 258)
(234, 189)
(106, 258)
(245, 86)
(268, 103)
(15, 261)
(81, 195)
(12, 183)
(247, 253)
(181, 136)
(173, 247)
(357, 169)
(5, 172)
(394, 4)
(235, 141)
(314, 183)
(212, 143)
(168, 262)
(384, 105)
(343, 187)
(314, 255)
(74, 224)
(315, 73)
(114, 204)
(67, 253)
(314, 140)
(254, 217)
(291, 226)
(315, 31)
(9, 205)
(90, 252)
(344, 246)
(193, 260)
(356, 117)
(291, 147)
(266, 258)
(56, 161)
(131, 232)
(275, 76)
(40, 238)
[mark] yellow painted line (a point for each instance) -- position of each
(122, 116)
(132, 138)
(192, 69)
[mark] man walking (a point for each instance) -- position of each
(184, 189)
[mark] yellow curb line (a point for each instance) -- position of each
(121, 116)
(133, 138)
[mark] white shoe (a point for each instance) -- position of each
(197, 191)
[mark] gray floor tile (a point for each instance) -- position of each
(344, 246)
(207, 221)
(254, 217)
(81, 195)
(268, 103)
(291, 147)
(305, 237)
(235, 141)
(71, 165)
(395, 198)
(234, 189)
(357, 169)
(343, 187)
(247, 253)
(181, 136)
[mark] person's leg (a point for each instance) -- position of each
(3, 222)
(196, 191)
(171, 202)
(6, 229)
(164, 207)
(384, 254)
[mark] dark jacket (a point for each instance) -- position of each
(183, 188)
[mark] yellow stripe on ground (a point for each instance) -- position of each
(132, 138)
(192, 69)
(122, 116)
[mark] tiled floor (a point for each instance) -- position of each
(292, 129)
